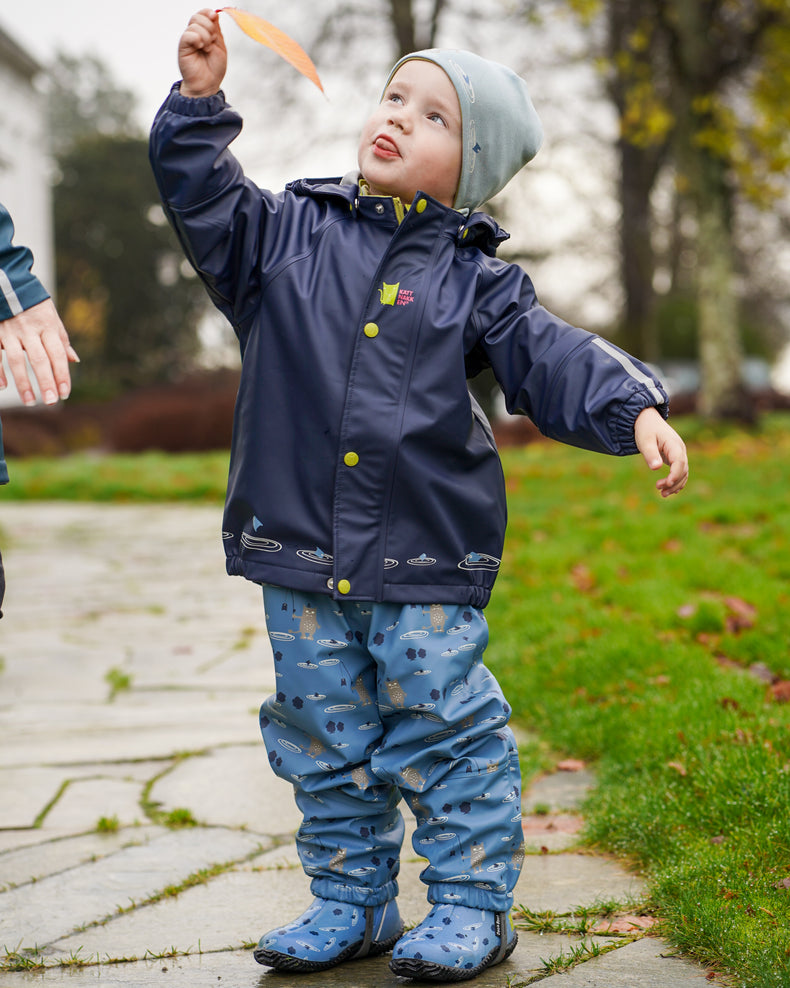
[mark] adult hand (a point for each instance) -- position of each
(38, 333)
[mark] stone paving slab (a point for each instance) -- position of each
(141, 590)
(560, 882)
(232, 787)
(238, 969)
(40, 913)
(646, 963)
(34, 861)
(559, 792)
(235, 908)
(76, 808)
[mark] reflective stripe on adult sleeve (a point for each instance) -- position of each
(9, 294)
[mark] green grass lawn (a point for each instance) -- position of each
(129, 477)
(623, 632)
(639, 634)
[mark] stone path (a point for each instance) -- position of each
(131, 670)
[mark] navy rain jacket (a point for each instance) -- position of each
(360, 465)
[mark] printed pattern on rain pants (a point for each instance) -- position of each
(378, 701)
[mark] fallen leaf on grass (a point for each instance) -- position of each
(780, 692)
(625, 924)
(761, 671)
(563, 823)
(583, 578)
(571, 765)
(727, 663)
(741, 615)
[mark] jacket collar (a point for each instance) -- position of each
(478, 230)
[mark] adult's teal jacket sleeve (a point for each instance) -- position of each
(20, 289)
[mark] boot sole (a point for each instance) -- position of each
(288, 962)
(420, 970)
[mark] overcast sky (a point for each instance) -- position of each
(137, 40)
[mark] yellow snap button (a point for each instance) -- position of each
(370, 329)
(420, 207)
(343, 586)
(351, 459)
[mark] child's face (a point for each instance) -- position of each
(412, 140)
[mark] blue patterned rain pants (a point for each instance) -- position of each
(378, 701)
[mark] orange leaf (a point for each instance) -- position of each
(267, 34)
(571, 765)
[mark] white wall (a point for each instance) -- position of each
(25, 166)
(24, 160)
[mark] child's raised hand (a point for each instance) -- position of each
(202, 56)
(658, 443)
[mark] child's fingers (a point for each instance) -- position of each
(650, 453)
(672, 453)
(201, 31)
(675, 455)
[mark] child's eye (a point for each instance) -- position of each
(437, 118)
(395, 98)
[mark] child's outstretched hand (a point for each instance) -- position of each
(658, 442)
(202, 56)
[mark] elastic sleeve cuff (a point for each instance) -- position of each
(624, 420)
(194, 106)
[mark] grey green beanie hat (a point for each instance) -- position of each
(501, 129)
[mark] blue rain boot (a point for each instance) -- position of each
(454, 943)
(328, 933)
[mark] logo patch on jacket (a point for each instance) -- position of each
(395, 295)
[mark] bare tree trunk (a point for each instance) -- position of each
(408, 34)
(722, 394)
(637, 175)
(404, 27)
(438, 6)
(637, 260)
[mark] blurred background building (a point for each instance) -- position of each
(25, 171)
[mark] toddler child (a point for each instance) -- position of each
(365, 492)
